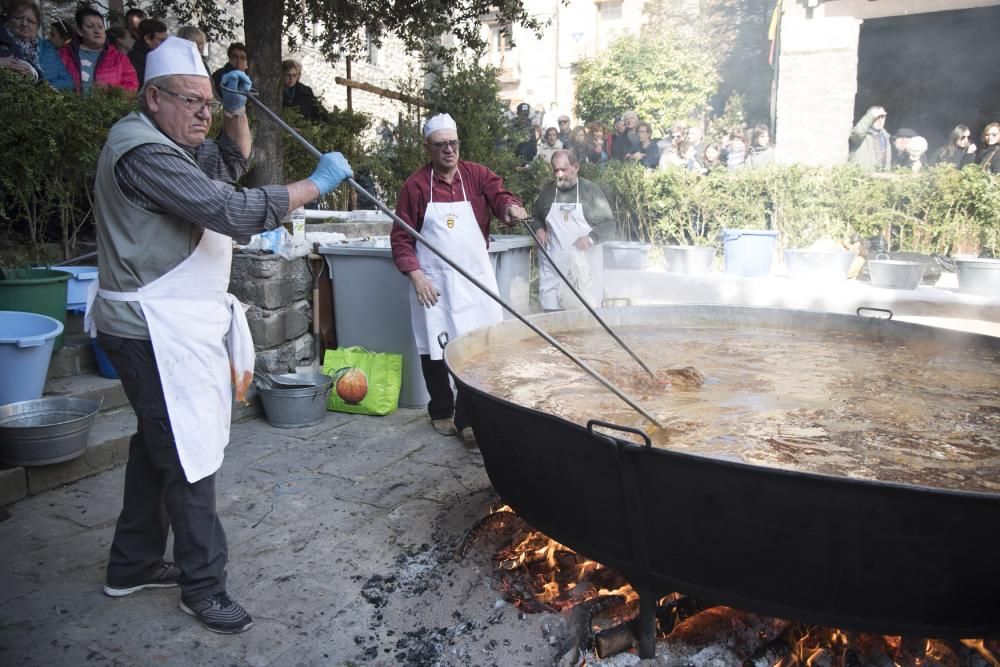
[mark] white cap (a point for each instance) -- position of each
(174, 56)
(442, 121)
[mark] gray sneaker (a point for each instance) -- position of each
(444, 426)
(469, 439)
(219, 614)
(166, 577)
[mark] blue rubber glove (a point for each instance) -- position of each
(241, 82)
(330, 172)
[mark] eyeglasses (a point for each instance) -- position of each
(193, 104)
(881, 116)
(563, 121)
(441, 145)
(965, 136)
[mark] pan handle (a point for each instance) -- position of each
(886, 311)
(442, 339)
(616, 427)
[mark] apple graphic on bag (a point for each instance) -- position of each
(351, 385)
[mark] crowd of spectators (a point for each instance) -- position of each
(631, 139)
(75, 57)
(873, 149)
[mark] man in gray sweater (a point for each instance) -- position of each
(167, 212)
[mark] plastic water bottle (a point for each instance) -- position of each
(299, 223)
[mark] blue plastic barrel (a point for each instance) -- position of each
(104, 365)
(26, 341)
(748, 252)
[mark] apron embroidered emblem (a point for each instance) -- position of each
(450, 221)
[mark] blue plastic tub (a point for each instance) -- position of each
(76, 289)
(104, 365)
(26, 341)
(748, 252)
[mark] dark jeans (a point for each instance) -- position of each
(157, 495)
(443, 403)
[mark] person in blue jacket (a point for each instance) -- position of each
(23, 52)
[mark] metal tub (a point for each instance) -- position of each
(979, 276)
(290, 406)
(45, 430)
(687, 259)
(815, 265)
(895, 273)
(629, 255)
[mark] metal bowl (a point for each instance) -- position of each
(45, 430)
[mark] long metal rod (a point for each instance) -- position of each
(586, 305)
(419, 237)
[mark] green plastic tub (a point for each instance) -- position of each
(41, 291)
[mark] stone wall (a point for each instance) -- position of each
(816, 88)
(390, 65)
(277, 291)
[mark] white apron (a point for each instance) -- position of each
(452, 229)
(565, 224)
(203, 348)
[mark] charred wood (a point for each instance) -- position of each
(497, 521)
(615, 640)
(672, 612)
(772, 652)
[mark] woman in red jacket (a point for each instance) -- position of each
(91, 60)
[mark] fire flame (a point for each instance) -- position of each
(558, 578)
(540, 574)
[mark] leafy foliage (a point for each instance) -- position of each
(52, 142)
(941, 210)
(341, 28)
(664, 80)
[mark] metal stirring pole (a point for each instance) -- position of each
(418, 236)
(586, 305)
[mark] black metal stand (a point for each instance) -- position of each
(647, 622)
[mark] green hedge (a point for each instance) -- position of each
(50, 142)
(941, 210)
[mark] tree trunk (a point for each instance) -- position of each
(262, 26)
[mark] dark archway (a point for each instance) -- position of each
(932, 71)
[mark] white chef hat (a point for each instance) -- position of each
(174, 56)
(442, 121)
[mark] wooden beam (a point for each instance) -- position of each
(382, 92)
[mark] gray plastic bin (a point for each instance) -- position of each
(510, 255)
(371, 308)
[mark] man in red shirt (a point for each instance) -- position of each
(449, 202)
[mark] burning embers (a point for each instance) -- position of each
(539, 574)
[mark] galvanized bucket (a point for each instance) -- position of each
(895, 273)
(818, 265)
(688, 259)
(296, 400)
(979, 276)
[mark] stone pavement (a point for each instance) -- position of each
(344, 542)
